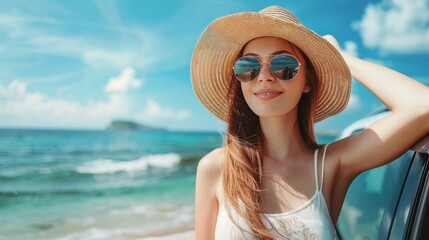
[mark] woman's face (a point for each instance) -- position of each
(266, 95)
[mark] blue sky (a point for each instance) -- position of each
(80, 64)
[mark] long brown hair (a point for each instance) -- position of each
(244, 149)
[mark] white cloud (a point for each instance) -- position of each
(109, 10)
(21, 108)
(154, 111)
(396, 26)
(15, 88)
(351, 48)
(124, 81)
(29, 35)
(106, 43)
(101, 58)
(94, 54)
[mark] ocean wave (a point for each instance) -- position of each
(38, 174)
(106, 166)
(44, 193)
(106, 191)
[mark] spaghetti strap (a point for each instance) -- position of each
(323, 165)
(316, 177)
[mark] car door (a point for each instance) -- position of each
(391, 201)
(412, 215)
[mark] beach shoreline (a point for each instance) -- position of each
(188, 234)
(184, 232)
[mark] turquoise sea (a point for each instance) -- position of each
(69, 184)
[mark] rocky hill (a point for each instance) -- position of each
(130, 125)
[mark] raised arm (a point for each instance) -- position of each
(387, 138)
(206, 203)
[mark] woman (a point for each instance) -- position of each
(271, 79)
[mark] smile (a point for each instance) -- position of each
(267, 94)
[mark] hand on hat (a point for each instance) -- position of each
(331, 39)
(346, 56)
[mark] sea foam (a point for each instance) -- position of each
(106, 166)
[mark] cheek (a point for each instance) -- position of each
(290, 98)
(246, 89)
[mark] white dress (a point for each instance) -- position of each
(309, 221)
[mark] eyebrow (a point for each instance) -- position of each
(274, 53)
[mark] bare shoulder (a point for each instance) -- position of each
(333, 151)
(209, 178)
(210, 165)
(334, 154)
(206, 199)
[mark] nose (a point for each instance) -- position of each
(265, 73)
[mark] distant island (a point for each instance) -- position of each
(130, 125)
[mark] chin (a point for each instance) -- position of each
(274, 112)
(270, 114)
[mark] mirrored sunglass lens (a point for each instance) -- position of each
(284, 67)
(246, 69)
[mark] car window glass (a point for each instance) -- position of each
(371, 201)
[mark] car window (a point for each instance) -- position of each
(411, 219)
(371, 201)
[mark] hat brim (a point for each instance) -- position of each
(222, 41)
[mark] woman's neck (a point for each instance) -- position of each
(282, 138)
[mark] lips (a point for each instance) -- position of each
(267, 94)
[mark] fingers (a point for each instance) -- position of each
(331, 39)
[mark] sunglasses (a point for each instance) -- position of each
(284, 67)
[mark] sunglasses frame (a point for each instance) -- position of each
(269, 62)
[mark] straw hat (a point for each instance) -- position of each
(222, 41)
